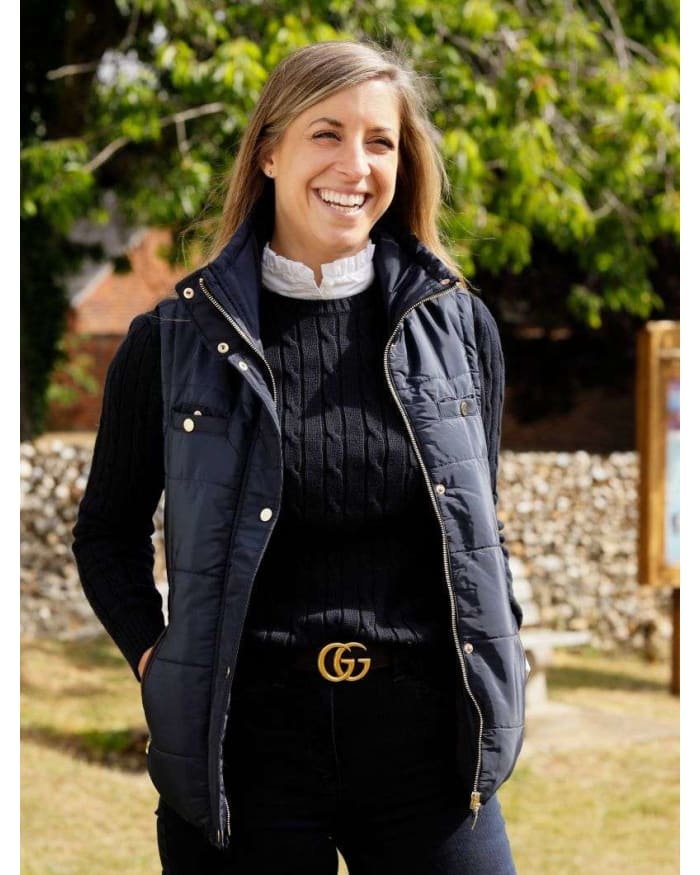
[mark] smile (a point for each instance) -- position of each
(346, 204)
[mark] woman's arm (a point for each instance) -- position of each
(112, 536)
(492, 371)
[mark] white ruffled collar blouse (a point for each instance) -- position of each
(340, 278)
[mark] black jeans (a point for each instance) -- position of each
(365, 766)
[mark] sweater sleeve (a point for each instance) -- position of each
(112, 536)
(492, 373)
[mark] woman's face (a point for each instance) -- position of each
(334, 172)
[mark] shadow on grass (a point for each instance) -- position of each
(96, 651)
(85, 690)
(575, 677)
(122, 749)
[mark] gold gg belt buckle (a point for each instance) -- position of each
(342, 666)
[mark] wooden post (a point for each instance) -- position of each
(676, 647)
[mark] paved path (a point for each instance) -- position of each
(556, 726)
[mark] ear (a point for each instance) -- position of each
(268, 167)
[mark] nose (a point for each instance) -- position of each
(353, 160)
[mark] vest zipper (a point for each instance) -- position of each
(475, 799)
(243, 334)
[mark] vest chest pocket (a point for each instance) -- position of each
(197, 421)
(203, 445)
(449, 408)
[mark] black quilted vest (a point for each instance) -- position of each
(223, 484)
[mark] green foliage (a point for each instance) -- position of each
(559, 123)
(44, 255)
(72, 375)
(55, 183)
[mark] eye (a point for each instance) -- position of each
(325, 134)
(386, 143)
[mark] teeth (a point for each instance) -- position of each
(345, 200)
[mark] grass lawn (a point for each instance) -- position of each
(596, 787)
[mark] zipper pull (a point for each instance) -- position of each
(475, 805)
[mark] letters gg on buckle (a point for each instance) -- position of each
(346, 673)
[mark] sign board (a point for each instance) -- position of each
(658, 411)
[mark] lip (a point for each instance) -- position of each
(362, 209)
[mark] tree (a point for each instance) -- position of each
(559, 124)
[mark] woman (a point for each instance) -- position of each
(322, 404)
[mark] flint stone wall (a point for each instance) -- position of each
(570, 523)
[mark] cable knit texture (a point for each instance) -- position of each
(356, 550)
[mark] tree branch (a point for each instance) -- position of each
(509, 38)
(181, 131)
(643, 51)
(188, 114)
(91, 66)
(177, 118)
(569, 139)
(613, 204)
(487, 64)
(73, 70)
(105, 154)
(619, 40)
(131, 30)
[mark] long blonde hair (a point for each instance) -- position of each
(310, 75)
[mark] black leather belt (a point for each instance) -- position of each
(336, 661)
(343, 661)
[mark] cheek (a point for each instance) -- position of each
(294, 196)
(389, 185)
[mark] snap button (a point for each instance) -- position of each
(243, 365)
(223, 348)
(265, 514)
(440, 489)
(188, 293)
(188, 424)
(463, 408)
(468, 647)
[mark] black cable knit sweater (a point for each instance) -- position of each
(356, 551)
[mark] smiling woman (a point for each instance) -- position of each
(321, 403)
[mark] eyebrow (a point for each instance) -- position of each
(333, 122)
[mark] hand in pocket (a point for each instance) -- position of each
(143, 662)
